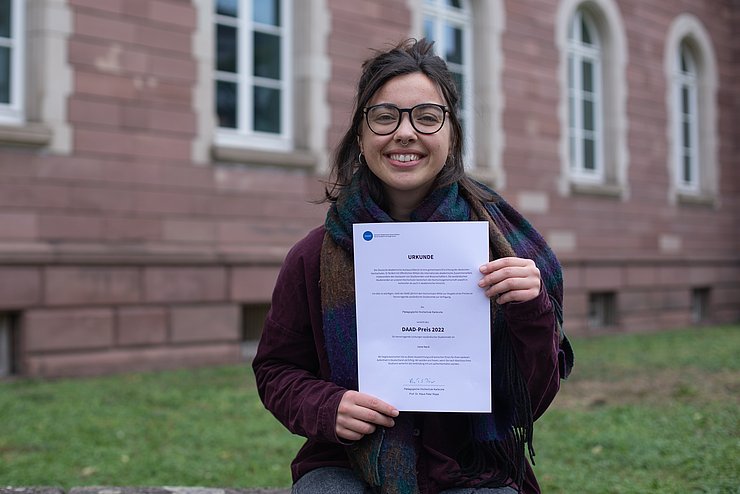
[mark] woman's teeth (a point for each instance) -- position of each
(404, 157)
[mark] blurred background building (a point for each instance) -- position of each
(159, 157)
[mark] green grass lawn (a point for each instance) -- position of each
(641, 413)
(646, 413)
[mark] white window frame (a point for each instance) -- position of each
(244, 136)
(687, 31)
(13, 112)
(607, 18)
(686, 80)
(443, 15)
(578, 54)
(310, 117)
(42, 77)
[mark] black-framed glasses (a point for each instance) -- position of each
(426, 118)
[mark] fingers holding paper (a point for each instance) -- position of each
(359, 414)
(510, 279)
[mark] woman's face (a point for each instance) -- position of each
(406, 161)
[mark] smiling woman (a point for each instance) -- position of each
(401, 159)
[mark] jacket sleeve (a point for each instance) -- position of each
(291, 379)
(536, 342)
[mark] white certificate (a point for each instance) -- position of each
(423, 323)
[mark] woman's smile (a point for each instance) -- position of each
(405, 159)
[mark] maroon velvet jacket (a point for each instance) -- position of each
(292, 371)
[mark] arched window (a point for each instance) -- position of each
(686, 131)
(591, 39)
(691, 72)
(585, 128)
(449, 24)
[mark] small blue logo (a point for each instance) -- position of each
(368, 235)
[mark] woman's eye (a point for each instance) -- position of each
(428, 118)
(384, 118)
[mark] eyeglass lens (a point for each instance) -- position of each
(425, 118)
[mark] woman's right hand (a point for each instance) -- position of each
(359, 414)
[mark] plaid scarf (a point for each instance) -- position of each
(386, 459)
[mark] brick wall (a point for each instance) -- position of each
(649, 252)
(127, 254)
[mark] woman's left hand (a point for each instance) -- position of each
(510, 279)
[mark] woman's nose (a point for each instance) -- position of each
(405, 131)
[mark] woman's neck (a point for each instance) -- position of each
(402, 203)
(400, 210)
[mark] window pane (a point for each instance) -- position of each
(687, 169)
(267, 110)
(4, 75)
(458, 78)
(571, 112)
(589, 154)
(227, 7)
(685, 109)
(684, 63)
(267, 55)
(454, 3)
(429, 29)
(588, 115)
(226, 104)
(585, 32)
(267, 12)
(572, 151)
(226, 48)
(571, 76)
(454, 48)
(587, 68)
(5, 12)
(687, 135)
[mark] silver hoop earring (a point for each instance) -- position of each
(359, 160)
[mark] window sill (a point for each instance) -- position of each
(289, 159)
(27, 134)
(703, 198)
(594, 189)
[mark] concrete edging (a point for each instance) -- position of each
(140, 490)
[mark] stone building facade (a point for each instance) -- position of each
(159, 157)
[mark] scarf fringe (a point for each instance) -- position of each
(510, 452)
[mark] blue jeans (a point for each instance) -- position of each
(336, 480)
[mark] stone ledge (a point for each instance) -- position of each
(31, 490)
(140, 490)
